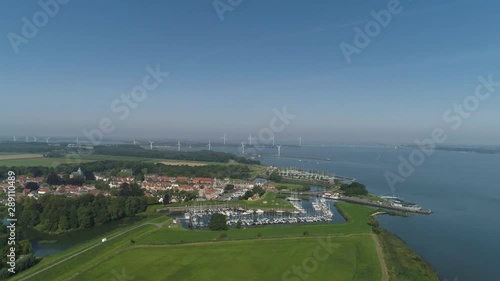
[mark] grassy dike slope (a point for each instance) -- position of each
(344, 251)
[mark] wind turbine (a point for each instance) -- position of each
(209, 146)
(135, 143)
(300, 141)
(279, 150)
(14, 138)
(179, 146)
(151, 144)
(242, 148)
(224, 138)
(34, 139)
(77, 140)
(47, 139)
(27, 139)
(250, 138)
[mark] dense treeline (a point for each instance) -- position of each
(29, 147)
(138, 168)
(23, 250)
(204, 155)
(353, 189)
(56, 213)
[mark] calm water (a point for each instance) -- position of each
(460, 239)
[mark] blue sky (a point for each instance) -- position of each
(228, 76)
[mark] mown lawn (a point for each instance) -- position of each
(348, 258)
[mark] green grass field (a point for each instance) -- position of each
(255, 170)
(352, 258)
(289, 186)
(52, 162)
(344, 251)
(267, 201)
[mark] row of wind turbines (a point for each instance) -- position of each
(27, 139)
(224, 140)
(35, 139)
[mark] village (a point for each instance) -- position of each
(153, 185)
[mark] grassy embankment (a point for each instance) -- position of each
(160, 251)
(402, 262)
(260, 253)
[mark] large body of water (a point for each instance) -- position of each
(460, 240)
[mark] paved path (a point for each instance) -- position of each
(380, 252)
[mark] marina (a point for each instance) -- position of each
(315, 210)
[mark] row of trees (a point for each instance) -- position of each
(204, 155)
(138, 168)
(55, 213)
(184, 195)
(255, 190)
(29, 147)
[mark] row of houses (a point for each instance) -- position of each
(66, 190)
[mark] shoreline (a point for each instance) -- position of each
(397, 252)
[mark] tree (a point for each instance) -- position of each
(64, 223)
(354, 189)
(247, 194)
(24, 247)
(31, 185)
(53, 179)
(101, 185)
(217, 222)
(229, 187)
(76, 181)
(132, 189)
(167, 197)
(85, 218)
(89, 176)
(259, 190)
(29, 218)
(36, 172)
(275, 176)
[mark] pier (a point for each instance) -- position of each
(384, 205)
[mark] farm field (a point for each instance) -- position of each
(38, 161)
(13, 159)
(10, 156)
